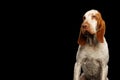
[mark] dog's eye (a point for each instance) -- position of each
(94, 17)
(83, 17)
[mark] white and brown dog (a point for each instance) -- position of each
(93, 55)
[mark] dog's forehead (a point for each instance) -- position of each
(91, 12)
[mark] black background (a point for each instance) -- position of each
(46, 33)
(63, 24)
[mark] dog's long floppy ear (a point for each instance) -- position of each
(81, 39)
(101, 30)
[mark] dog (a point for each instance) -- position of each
(93, 54)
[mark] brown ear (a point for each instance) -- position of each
(81, 39)
(101, 31)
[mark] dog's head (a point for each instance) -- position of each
(92, 24)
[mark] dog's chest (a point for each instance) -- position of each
(92, 53)
(91, 67)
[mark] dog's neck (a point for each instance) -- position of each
(91, 40)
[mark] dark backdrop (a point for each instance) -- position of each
(64, 29)
(46, 43)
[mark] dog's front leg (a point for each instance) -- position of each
(104, 73)
(77, 71)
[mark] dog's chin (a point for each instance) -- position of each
(88, 34)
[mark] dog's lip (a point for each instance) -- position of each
(88, 34)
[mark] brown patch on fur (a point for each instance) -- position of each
(100, 28)
(81, 39)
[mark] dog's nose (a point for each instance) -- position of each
(85, 26)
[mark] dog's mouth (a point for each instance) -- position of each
(88, 34)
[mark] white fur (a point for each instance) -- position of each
(88, 18)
